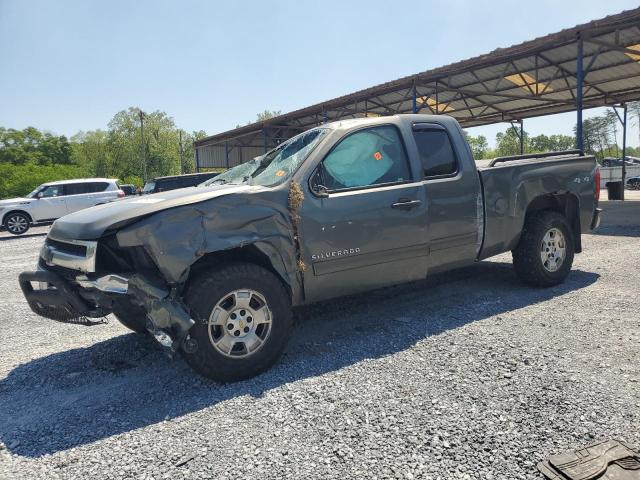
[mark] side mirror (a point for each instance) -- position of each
(319, 190)
(39, 195)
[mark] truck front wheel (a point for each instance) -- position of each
(243, 321)
(544, 255)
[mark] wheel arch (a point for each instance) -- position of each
(247, 254)
(566, 204)
(16, 210)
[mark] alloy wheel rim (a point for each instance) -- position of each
(553, 250)
(240, 323)
(17, 224)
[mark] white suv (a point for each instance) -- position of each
(54, 200)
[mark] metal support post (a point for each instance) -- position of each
(415, 98)
(624, 148)
(579, 85)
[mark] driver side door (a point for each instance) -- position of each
(51, 204)
(365, 225)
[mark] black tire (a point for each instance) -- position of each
(203, 294)
(527, 259)
(131, 316)
(17, 223)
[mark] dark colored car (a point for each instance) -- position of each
(163, 184)
(633, 183)
(346, 207)
(128, 189)
(617, 162)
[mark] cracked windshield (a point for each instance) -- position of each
(274, 167)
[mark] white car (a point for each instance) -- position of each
(54, 200)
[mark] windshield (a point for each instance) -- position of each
(279, 164)
(238, 174)
(148, 187)
(276, 166)
(35, 192)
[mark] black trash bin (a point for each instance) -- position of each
(615, 190)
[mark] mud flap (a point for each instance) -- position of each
(606, 460)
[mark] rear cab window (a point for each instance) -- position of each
(436, 151)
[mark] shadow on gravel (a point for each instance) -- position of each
(618, 231)
(83, 395)
(8, 236)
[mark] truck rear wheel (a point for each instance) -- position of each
(243, 322)
(131, 316)
(544, 255)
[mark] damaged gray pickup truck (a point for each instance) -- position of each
(214, 271)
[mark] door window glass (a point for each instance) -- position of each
(52, 191)
(368, 157)
(95, 187)
(436, 152)
(168, 184)
(75, 188)
(149, 187)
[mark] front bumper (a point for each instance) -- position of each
(70, 301)
(59, 300)
(595, 221)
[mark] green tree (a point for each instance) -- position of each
(634, 112)
(161, 144)
(553, 143)
(31, 145)
(19, 180)
(508, 143)
(479, 146)
(267, 114)
(91, 150)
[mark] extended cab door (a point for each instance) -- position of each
(51, 204)
(452, 186)
(365, 225)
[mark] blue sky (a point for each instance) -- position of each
(69, 65)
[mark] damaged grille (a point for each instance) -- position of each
(70, 248)
(111, 258)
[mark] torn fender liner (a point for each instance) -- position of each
(165, 313)
(606, 460)
(176, 238)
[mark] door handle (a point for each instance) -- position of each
(406, 204)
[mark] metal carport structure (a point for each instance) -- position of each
(590, 65)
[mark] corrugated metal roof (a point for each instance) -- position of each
(475, 91)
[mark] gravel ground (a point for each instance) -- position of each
(465, 375)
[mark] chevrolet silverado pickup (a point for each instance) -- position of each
(213, 272)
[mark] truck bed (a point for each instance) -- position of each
(510, 187)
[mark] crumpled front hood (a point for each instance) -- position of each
(92, 223)
(15, 201)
